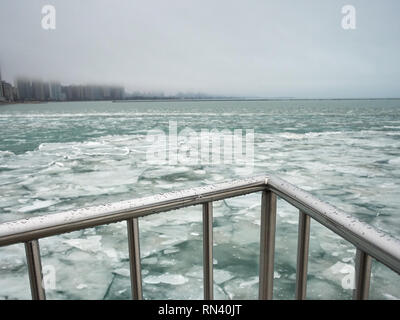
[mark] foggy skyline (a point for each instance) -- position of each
(231, 48)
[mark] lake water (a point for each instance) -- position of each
(61, 156)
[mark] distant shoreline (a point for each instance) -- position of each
(2, 103)
(251, 99)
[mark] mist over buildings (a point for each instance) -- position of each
(232, 48)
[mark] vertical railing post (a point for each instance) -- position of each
(267, 245)
(32, 252)
(302, 256)
(134, 258)
(208, 251)
(362, 275)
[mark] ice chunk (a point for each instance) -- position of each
(12, 257)
(173, 279)
(220, 276)
(195, 272)
(318, 289)
(123, 272)
(90, 244)
(37, 205)
(242, 289)
(14, 285)
(81, 286)
(390, 297)
(250, 282)
(152, 260)
(338, 272)
(111, 253)
(79, 275)
(340, 267)
(169, 251)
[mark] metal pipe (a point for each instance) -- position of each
(32, 251)
(362, 276)
(374, 242)
(59, 223)
(267, 245)
(208, 251)
(134, 259)
(302, 256)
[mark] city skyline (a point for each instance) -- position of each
(24, 89)
(55, 91)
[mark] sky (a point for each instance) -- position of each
(281, 48)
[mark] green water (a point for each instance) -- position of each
(60, 156)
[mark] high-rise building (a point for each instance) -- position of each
(106, 93)
(77, 93)
(88, 92)
(24, 88)
(46, 90)
(1, 89)
(38, 90)
(7, 91)
(15, 94)
(117, 93)
(97, 93)
(67, 92)
(55, 91)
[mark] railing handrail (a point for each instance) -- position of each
(369, 241)
(58, 223)
(376, 243)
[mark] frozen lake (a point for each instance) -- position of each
(61, 156)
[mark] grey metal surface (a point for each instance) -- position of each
(208, 251)
(267, 245)
(134, 258)
(376, 243)
(53, 224)
(302, 256)
(362, 276)
(33, 260)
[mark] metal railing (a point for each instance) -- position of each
(370, 242)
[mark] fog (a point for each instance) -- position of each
(284, 48)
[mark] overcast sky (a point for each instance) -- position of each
(291, 48)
